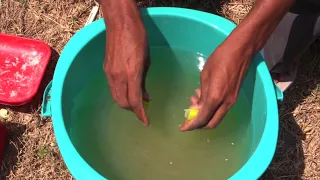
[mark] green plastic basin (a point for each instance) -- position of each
(187, 29)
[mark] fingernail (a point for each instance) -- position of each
(183, 128)
(145, 124)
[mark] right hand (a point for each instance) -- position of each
(126, 65)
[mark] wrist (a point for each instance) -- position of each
(251, 35)
(121, 14)
(241, 46)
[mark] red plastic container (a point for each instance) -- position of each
(3, 139)
(23, 63)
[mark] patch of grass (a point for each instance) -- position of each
(43, 151)
(23, 2)
(74, 20)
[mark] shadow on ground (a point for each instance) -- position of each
(13, 149)
(289, 160)
(16, 129)
(212, 6)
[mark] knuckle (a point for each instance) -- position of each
(134, 104)
(201, 123)
(132, 72)
(114, 73)
(214, 98)
(230, 102)
(123, 105)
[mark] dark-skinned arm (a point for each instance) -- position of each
(127, 55)
(225, 69)
(121, 14)
(253, 32)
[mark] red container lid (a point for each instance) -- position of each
(23, 63)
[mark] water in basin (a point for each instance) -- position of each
(116, 144)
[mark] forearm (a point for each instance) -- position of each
(253, 32)
(121, 14)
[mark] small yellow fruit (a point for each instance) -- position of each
(190, 114)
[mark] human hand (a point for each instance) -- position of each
(221, 79)
(126, 66)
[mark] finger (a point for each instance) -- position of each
(118, 88)
(194, 100)
(205, 114)
(199, 122)
(198, 92)
(204, 88)
(136, 100)
(205, 109)
(141, 114)
(121, 91)
(217, 117)
(112, 88)
(112, 91)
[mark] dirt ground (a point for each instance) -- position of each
(32, 152)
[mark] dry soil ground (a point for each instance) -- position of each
(32, 152)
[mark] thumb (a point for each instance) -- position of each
(195, 123)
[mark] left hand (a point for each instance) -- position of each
(221, 79)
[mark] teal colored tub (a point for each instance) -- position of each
(175, 27)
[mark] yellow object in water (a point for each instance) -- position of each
(190, 114)
(146, 105)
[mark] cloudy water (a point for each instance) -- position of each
(118, 146)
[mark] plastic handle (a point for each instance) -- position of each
(46, 101)
(279, 93)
